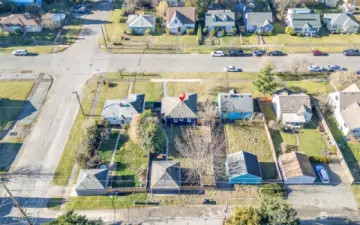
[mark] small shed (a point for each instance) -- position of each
(296, 168)
(91, 182)
(165, 177)
(243, 168)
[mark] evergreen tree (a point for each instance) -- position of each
(71, 218)
(265, 82)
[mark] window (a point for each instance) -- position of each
(175, 21)
(175, 120)
(181, 119)
(345, 125)
(189, 120)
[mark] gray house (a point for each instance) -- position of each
(139, 23)
(165, 177)
(180, 112)
(340, 22)
(303, 20)
(91, 182)
(121, 111)
(235, 106)
(220, 20)
(258, 21)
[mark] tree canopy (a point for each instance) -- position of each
(71, 218)
(244, 216)
(265, 82)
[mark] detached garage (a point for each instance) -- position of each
(296, 168)
(243, 168)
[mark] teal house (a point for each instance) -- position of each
(235, 106)
(243, 168)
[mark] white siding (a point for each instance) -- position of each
(300, 180)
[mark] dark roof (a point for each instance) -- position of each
(242, 163)
(165, 175)
(306, 19)
(186, 15)
(175, 108)
(137, 101)
(92, 179)
(259, 19)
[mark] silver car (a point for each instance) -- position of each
(315, 68)
(231, 69)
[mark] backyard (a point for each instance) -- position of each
(251, 137)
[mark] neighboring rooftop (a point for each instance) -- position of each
(294, 103)
(242, 163)
(19, 20)
(141, 21)
(175, 108)
(219, 18)
(186, 15)
(165, 175)
(303, 17)
(340, 19)
(236, 102)
(349, 96)
(296, 164)
(259, 19)
(91, 179)
(128, 107)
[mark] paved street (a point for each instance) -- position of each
(42, 149)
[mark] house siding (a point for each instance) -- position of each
(117, 120)
(236, 115)
(218, 28)
(90, 192)
(176, 121)
(297, 179)
(141, 30)
(245, 179)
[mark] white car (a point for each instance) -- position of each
(231, 69)
(315, 68)
(217, 54)
(20, 52)
(322, 173)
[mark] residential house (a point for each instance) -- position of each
(243, 168)
(220, 20)
(258, 21)
(165, 177)
(348, 8)
(296, 168)
(175, 3)
(340, 22)
(235, 106)
(180, 19)
(346, 109)
(140, 23)
(331, 3)
(303, 20)
(292, 109)
(24, 22)
(180, 112)
(91, 182)
(121, 111)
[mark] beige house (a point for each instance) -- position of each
(296, 168)
(180, 19)
(24, 22)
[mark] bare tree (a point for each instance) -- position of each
(148, 40)
(49, 23)
(208, 112)
(274, 125)
(283, 5)
(204, 149)
(343, 79)
(297, 64)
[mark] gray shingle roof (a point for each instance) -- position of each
(92, 179)
(299, 20)
(296, 164)
(295, 103)
(340, 19)
(241, 163)
(350, 106)
(236, 102)
(128, 107)
(175, 108)
(220, 18)
(186, 15)
(165, 175)
(349, 95)
(259, 18)
(141, 21)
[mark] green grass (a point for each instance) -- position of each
(153, 91)
(252, 138)
(231, 40)
(311, 141)
(115, 90)
(129, 159)
(250, 40)
(71, 29)
(107, 147)
(309, 87)
(356, 190)
(104, 202)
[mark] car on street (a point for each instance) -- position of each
(357, 72)
(259, 53)
(335, 68)
(315, 68)
(322, 173)
(351, 52)
(275, 53)
(231, 69)
(318, 53)
(20, 52)
(236, 52)
(217, 54)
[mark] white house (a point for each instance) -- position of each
(122, 111)
(303, 20)
(220, 20)
(292, 109)
(140, 23)
(346, 108)
(296, 168)
(180, 19)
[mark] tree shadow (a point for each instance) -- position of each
(330, 220)
(8, 153)
(123, 181)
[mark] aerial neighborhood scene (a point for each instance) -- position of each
(231, 112)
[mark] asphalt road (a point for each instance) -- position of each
(42, 149)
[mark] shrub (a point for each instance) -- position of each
(190, 31)
(273, 190)
(199, 36)
(234, 30)
(167, 31)
(222, 33)
(212, 32)
(299, 34)
(148, 31)
(256, 33)
(320, 159)
(290, 30)
(129, 31)
(205, 30)
(122, 19)
(333, 150)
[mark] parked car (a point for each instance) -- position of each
(81, 10)
(357, 72)
(275, 53)
(351, 52)
(315, 68)
(236, 52)
(217, 54)
(259, 53)
(317, 53)
(322, 173)
(231, 69)
(20, 52)
(334, 68)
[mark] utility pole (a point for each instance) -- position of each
(78, 98)
(15, 202)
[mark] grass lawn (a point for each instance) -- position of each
(129, 159)
(250, 40)
(252, 138)
(188, 40)
(311, 141)
(230, 40)
(14, 95)
(104, 202)
(356, 190)
(153, 91)
(309, 87)
(245, 87)
(107, 147)
(354, 38)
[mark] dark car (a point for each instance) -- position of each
(275, 53)
(317, 53)
(236, 52)
(259, 53)
(357, 72)
(351, 52)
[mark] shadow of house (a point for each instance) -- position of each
(8, 153)
(12, 111)
(330, 220)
